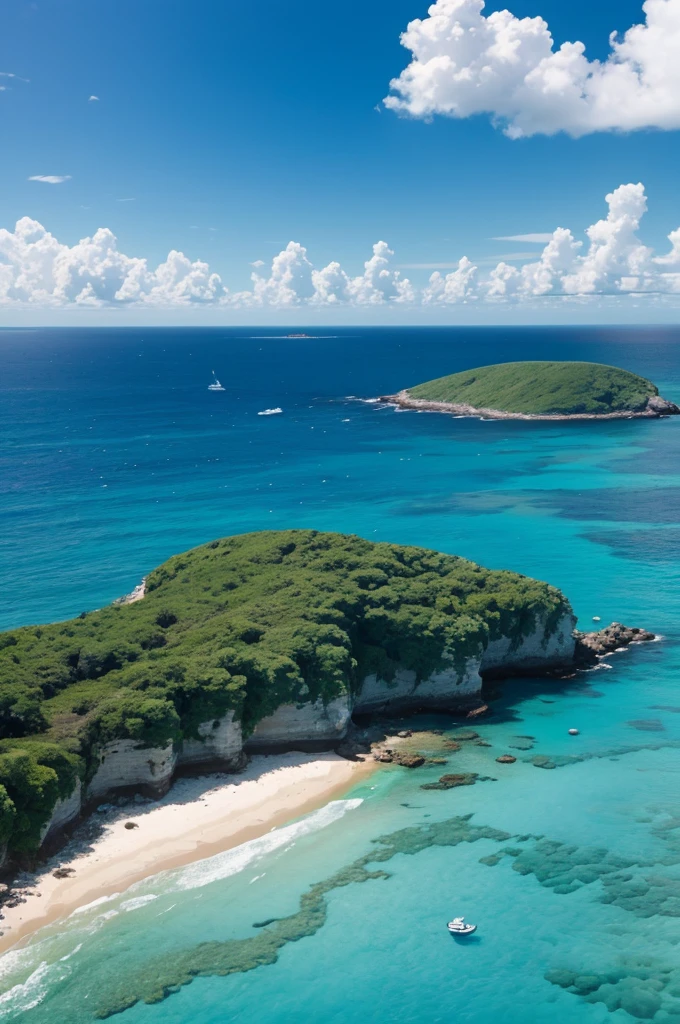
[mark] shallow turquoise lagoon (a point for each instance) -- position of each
(116, 456)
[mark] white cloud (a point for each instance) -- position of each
(10, 74)
(616, 258)
(379, 283)
(38, 270)
(93, 99)
(458, 286)
(293, 280)
(50, 179)
(331, 284)
(465, 64)
(536, 236)
(290, 279)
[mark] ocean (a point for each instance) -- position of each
(115, 456)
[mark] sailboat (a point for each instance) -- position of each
(215, 386)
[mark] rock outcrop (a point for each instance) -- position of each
(590, 647)
(401, 757)
(453, 781)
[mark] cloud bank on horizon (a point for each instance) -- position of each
(37, 270)
(465, 64)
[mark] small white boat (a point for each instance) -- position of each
(459, 927)
(270, 412)
(215, 386)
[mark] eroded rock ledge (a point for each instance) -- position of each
(656, 408)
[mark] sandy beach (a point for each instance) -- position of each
(199, 817)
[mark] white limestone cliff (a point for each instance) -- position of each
(312, 723)
(65, 812)
(220, 743)
(535, 651)
(443, 689)
(127, 763)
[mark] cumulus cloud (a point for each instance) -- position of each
(50, 179)
(292, 279)
(379, 283)
(507, 67)
(36, 269)
(458, 286)
(289, 281)
(93, 99)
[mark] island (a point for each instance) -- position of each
(539, 390)
(259, 643)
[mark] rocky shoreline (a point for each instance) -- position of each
(591, 647)
(656, 408)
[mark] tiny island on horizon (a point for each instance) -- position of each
(539, 390)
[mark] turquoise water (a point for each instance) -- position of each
(116, 456)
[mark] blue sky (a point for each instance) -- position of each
(225, 131)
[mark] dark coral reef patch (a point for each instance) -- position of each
(642, 986)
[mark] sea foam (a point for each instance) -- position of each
(231, 862)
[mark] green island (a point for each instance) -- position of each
(539, 390)
(243, 624)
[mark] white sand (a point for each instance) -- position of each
(197, 818)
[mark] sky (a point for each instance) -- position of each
(212, 162)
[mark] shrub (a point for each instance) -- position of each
(20, 710)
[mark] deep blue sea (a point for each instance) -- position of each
(115, 455)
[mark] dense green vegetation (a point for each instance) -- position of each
(245, 623)
(542, 388)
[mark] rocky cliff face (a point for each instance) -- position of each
(446, 689)
(538, 650)
(221, 744)
(310, 726)
(65, 812)
(127, 764)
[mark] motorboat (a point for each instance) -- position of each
(459, 927)
(215, 386)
